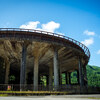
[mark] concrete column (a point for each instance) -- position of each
(69, 76)
(81, 76)
(50, 76)
(23, 67)
(36, 66)
(56, 68)
(85, 76)
(66, 78)
(60, 76)
(78, 77)
(47, 80)
(7, 64)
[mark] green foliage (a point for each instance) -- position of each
(30, 93)
(74, 78)
(43, 80)
(93, 75)
(12, 78)
(63, 79)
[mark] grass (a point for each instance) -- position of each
(28, 93)
(93, 98)
(3, 95)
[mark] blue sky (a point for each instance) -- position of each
(78, 19)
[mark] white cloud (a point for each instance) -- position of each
(30, 25)
(89, 33)
(98, 52)
(50, 26)
(88, 42)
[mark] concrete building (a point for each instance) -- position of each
(32, 53)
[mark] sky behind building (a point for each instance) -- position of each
(78, 19)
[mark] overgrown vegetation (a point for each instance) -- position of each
(31, 93)
(93, 76)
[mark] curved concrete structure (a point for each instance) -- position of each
(42, 53)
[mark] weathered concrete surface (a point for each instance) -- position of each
(56, 69)
(12, 50)
(63, 97)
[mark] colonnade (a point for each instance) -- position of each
(52, 69)
(36, 71)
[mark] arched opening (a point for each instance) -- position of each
(14, 75)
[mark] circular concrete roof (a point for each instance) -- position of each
(68, 49)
